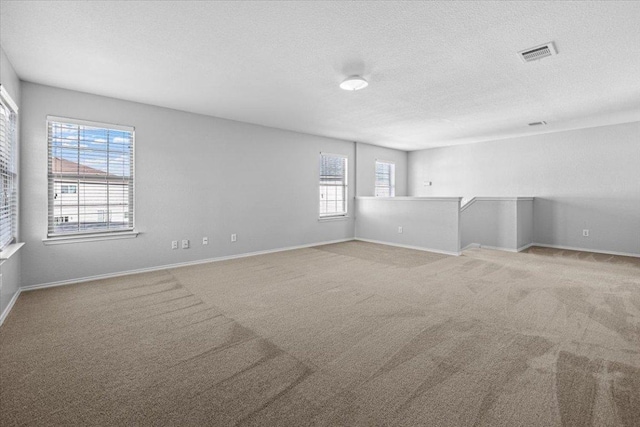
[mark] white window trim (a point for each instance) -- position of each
(80, 122)
(13, 245)
(8, 252)
(330, 218)
(104, 235)
(94, 237)
(336, 216)
(391, 187)
(7, 98)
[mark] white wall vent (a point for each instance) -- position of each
(538, 52)
(537, 124)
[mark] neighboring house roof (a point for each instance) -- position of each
(64, 166)
(67, 169)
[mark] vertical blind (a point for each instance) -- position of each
(8, 170)
(91, 173)
(333, 185)
(385, 179)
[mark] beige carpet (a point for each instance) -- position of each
(347, 334)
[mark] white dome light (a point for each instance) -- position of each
(354, 83)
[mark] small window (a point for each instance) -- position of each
(69, 189)
(385, 179)
(333, 185)
(90, 177)
(8, 170)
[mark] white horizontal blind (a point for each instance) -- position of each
(91, 175)
(333, 185)
(385, 179)
(8, 171)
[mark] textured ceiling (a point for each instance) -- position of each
(440, 73)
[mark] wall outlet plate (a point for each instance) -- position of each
(585, 233)
(185, 244)
(205, 240)
(174, 244)
(399, 230)
(234, 237)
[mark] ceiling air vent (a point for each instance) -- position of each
(537, 124)
(538, 52)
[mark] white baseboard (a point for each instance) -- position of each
(168, 266)
(497, 248)
(493, 248)
(418, 248)
(596, 251)
(6, 311)
(471, 246)
(522, 248)
(543, 245)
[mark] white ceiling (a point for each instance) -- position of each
(440, 73)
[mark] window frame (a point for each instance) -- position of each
(345, 186)
(68, 187)
(93, 234)
(392, 178)
(12, 165)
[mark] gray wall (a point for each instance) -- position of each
(10, 269)
(582, 179)
(427, 224)
(195, 176)
(525, 223)
(366, 168)
(499, 223)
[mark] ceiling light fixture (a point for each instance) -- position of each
(354, 83)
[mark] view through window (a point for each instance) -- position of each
(333, 185)
(8, 170)
(90, 177)
(385, 179)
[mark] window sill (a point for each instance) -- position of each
(61, 240)
(334, 218)
(7, 252)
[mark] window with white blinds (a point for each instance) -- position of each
(333, 185)
(91, 170)
(8, 170)
(385, 179)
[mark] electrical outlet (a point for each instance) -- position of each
(205, 240)
(174, 244)
(234, 237)
(399, 230)
(585, 233)
(185, 244)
